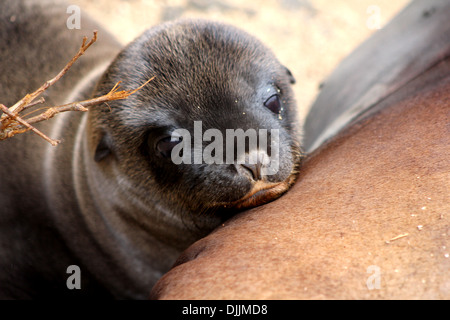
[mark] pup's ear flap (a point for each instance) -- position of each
(291, 77)
(103, 149)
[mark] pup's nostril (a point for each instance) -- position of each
(255, 170)
(254, 163)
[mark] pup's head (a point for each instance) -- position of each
(178, 140)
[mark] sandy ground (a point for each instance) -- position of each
(309, 36)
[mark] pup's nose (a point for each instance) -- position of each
(255, 170)
(254, 163)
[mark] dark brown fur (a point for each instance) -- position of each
(104, 199)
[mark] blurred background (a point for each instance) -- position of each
(310, 37)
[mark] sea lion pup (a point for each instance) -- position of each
(110, 198)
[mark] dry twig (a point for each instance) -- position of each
(11, 123)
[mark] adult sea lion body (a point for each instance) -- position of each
(109, 199)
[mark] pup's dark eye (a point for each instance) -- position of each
(273, 104)
(165, 145)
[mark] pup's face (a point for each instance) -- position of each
(170, 138)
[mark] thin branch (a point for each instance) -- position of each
(10, 133)
(32, 104)
(21, 104)
(11, 123)
(112, 95)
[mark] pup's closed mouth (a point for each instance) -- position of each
(262, 192)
